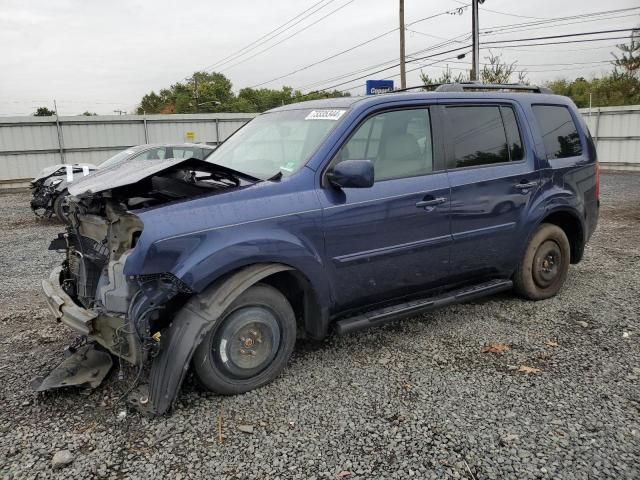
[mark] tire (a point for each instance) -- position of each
(60, 207)
(250, 344)
(545, 264)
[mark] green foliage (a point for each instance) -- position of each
(613, 89)
(628, 62)
(446, 77)
(494, 71)
(205, 92)
(498, 71)
(43, 112)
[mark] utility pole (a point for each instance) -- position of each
(403, 72)
(475, 36)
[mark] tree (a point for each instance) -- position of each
(89, 114)
(446, 77)
(498, 71)
(212, 92)
(616, 88)
(629, 60)
(44, 112)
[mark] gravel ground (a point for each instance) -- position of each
(417, 398)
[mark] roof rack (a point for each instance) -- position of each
(478, 86)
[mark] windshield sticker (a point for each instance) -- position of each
(325, 115)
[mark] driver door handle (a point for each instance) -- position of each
(431, 203)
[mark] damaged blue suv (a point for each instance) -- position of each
(337, 214)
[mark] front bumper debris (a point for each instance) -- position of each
(87, 367)
(64, 308)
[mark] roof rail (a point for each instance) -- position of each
(465, 86)
(476, 86)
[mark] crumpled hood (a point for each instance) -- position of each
(122, 174)
(136, 170)
(48, 171)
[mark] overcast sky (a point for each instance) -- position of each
(104, 55)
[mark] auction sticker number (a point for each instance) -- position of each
(324, 115)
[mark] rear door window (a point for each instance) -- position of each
(559, 132)
(478, 135)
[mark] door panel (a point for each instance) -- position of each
(381, 243)
(393, 238)
(492, 178)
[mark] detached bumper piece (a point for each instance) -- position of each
(64, 308)
(87, 367)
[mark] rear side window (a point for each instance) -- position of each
(559, 132)
(482, 135)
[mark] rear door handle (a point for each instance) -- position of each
(431, 203)
(525, 186)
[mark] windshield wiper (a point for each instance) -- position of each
(276, 178)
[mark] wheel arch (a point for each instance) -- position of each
(191, 324)
(570, 223)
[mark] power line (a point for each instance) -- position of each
(520, 26)
(290, 36)
(501, 13)
(431, 48)
(548, 37)
(377, 37)
(584, 40)
(394, 66)
(270, 34)
(508, 46)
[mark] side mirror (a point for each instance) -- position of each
(352, 174)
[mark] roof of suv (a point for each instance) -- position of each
(371, 100)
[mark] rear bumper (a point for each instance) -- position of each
(63, 307)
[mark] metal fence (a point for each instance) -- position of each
(28, 144)
(616, 131)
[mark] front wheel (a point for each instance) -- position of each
(545, 264)
(61, 207)
(249, 345)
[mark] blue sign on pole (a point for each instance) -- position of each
(375, 87)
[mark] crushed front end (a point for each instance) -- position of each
(117, 313)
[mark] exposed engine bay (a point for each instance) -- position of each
(123, 314)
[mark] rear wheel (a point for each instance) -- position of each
(61, 207)
(249, 345)
(545, 264)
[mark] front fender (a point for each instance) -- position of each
(190, 326)
(199, 259)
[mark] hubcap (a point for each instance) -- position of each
(547, 264)
(247, 341)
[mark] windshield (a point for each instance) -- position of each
(120, 156)
(279, 142)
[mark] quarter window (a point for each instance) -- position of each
(558, 130)
(398, 143)
(516, 152)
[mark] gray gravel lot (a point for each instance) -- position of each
(417, 398)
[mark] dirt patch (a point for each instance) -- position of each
(628, 211)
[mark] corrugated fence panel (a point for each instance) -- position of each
(16, 166)
(28, 144)
(616, 131)
(38, 136)
(112, 134)
(204, 132)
